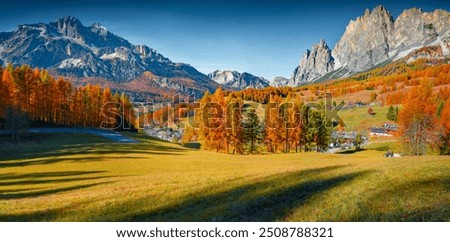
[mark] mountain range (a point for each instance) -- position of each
(92, 54)
(374, 39)
(68, 48)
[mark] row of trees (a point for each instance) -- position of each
(48, 101)
(226, 124)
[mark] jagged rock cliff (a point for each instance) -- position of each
(314, 64)
(365, 42)
(374, 39)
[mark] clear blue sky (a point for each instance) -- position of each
(265, 38)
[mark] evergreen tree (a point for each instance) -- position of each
(358, 141)
(323, 131)
(391, 114)
(252, 132)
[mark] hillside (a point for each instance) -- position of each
(43, 180)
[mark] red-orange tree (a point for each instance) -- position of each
(418, 121)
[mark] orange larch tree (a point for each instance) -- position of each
(418, 121)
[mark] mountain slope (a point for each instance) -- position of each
(236, 80)
(68, 48)
(374, 39)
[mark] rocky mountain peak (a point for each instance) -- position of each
(100, 29)
(365, 41)
(236, 80)
(69, 26)
(373, 39)
(68, 22)
(314, 64)
(279, 81)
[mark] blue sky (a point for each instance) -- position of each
(265, 38)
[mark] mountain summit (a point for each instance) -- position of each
(314, 63)
(374, 39)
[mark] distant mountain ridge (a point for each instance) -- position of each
(68, 48)
(279, 81)
(372, 40)
(236, 80)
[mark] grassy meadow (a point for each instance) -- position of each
(358, 118)
(87, 178)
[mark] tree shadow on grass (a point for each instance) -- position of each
(32, 194)
(271, 199)
(53, 152)
(93, 156)
(349, 152)
(46, 178)
(47, 214)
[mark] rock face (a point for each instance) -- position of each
(68, 48)
(314, 64)
(236, 80)
(415, 29)
(374, 39)
(365, 42)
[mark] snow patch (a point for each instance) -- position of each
(70, 63)
(115, 55)
(223, 77)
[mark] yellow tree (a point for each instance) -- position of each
(233, 122)
(273, 125)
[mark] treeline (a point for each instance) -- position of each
(225, 124)
(391, 79)
(44, 101)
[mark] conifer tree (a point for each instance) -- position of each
(252, 132)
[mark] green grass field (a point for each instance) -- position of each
(87, 178)
(358, 118)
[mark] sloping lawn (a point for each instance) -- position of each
(87, 178)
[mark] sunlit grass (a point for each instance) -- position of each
(358, 118)
(87, 178)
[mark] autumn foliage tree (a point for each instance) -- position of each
(417, 120)
(273, 135)
(50, 102)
